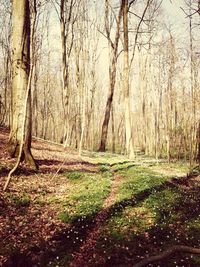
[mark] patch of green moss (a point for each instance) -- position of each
(74, 175)
(85, 197)
(163, 200)
(20, 200)
(104, 168)
(139, 179)
(131, 221)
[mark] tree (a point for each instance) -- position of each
(67, 13)
(113, 47)
(21, 125)
(192, 9)
(5, 79)
(129, 140)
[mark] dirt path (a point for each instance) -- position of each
(87, 252)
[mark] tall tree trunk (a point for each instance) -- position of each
(113, 131)
(112, 72)
(129, 139)
(67, 21)
(193, 90)
(104, 132)
(20, 130)
(198, 145)
(65, 69)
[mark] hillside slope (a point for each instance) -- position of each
(95, 210)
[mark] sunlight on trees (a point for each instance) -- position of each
(115, 85)
(78, 81)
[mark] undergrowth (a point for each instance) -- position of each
(149, 213)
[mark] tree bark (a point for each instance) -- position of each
(112, 72)
(129, 139)
(21, 132)
(198, 145)
(67, 21)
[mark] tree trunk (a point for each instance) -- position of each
(20, 76)
(65, 71)
(104, 132)
(112, 72)
(67, 21)
(113, 131)
(129, 139)
(198, 145)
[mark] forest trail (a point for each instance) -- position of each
(87, 252)
(96, 209)
(19, 206)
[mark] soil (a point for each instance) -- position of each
(30, 230)
(30, 233)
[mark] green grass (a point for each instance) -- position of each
(82, 195)
(104, 168)
(130, 217)
(73, 175)
(149, 214)
(173, 169)
(105, 157)
(85, 197)
(131, 221)
(137, 180)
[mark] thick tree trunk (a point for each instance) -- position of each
(20, 82)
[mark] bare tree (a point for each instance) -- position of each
(21, 134)
(67, 13)
(113, 54)
(129, 139)
(5, 50)
(20, 77)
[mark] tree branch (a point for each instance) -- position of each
(137, 30)
(165, 254)
(131, 2)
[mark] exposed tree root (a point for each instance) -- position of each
(30, 159)
(165, 254)
(24, 153)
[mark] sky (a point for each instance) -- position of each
(173, 10)
(173, 15)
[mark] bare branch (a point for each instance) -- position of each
(131, 2)
(137, 30)
(165, 254)
(144, 20)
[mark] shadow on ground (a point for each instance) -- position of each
(122, 252)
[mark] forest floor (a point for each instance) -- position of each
(96, 210)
